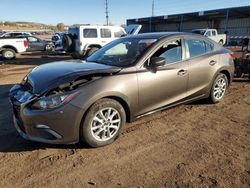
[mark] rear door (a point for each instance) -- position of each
(106, 35)
(203, 64)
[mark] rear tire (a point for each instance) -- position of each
(219, 88)
(8, 53)
(103, 123)
(221, 42)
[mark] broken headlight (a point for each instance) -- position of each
(53, 101)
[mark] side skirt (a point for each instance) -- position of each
(170, 106)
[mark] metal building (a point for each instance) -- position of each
(235, 22)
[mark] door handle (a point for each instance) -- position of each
(182, 72)
(212, 62)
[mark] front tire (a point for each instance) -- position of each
(8, 54)
(49, 47)
(103, 123)
(219, 88)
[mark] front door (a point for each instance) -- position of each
(35, 44)
(166, 85)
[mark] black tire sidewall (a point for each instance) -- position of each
(85, 132)
(212, 98)
(68, 43)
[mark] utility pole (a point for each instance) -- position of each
(153, 12)
(153, 8)
(107, 12)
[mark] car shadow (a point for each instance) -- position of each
(245, 79)
(10, 140)
(35, 58)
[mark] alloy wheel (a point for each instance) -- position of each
(105, 124)
(220, 88)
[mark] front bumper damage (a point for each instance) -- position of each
(54, 126)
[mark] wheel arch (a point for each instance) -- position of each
(226, 72)
(124, 105)
(95, 45)
(119, 99)
(10, 47)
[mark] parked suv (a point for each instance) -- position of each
(84, 40)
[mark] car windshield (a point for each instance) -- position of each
(121, 52)
(201, 32)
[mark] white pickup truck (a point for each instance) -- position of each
(212, 34)
(9, 47)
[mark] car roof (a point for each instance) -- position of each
(161, 35)
(158, 35)
(95, 26)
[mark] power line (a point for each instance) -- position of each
(107, 12)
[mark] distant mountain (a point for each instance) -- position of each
(25, 23)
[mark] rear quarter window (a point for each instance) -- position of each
(209, 46)
(105, 33)
(119, 33)
(198, 47)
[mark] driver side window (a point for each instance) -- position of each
(208, 34)
(171, 51)
(32, 39)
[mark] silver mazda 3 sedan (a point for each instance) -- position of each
(68, 101)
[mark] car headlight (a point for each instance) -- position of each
(53, 101)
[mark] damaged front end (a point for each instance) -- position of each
(40, 107)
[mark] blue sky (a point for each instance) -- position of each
(92, 11)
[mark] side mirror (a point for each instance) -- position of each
(155, 62)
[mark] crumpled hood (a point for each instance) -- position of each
(48, 76)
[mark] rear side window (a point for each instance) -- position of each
(119, 33)
(196, 47)
(105, 33)
(90, 33)
(209, 47)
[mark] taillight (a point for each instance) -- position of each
(231, 55)
(25, 43)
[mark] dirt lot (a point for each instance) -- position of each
(196, 145)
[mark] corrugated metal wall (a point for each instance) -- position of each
(235, 27)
